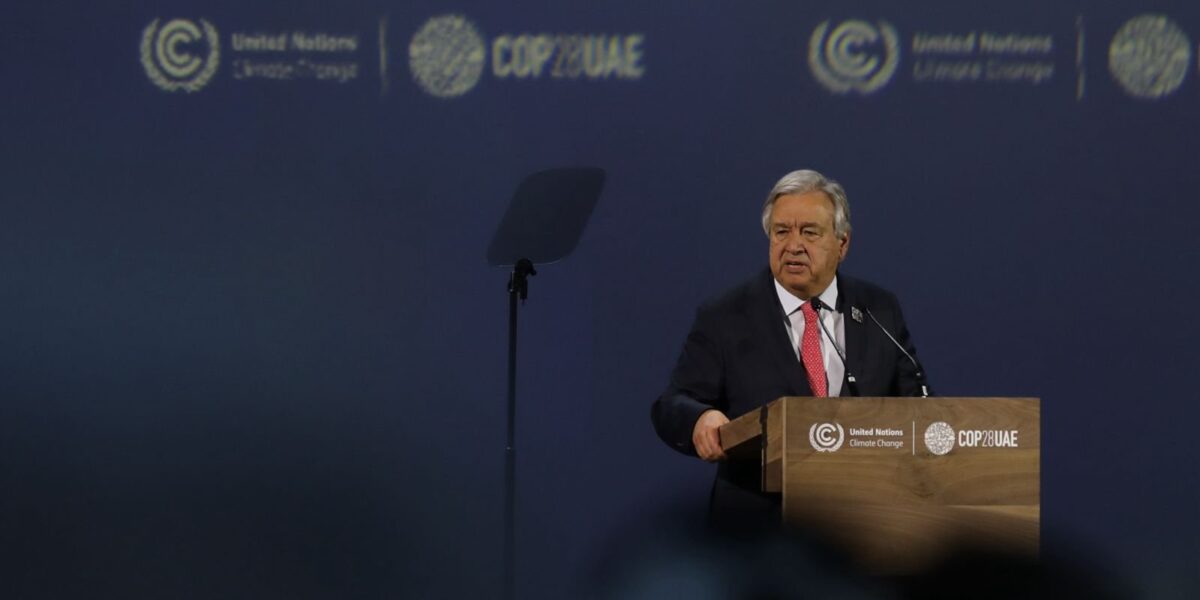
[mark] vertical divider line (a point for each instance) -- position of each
(383, 54)
(1080, 62)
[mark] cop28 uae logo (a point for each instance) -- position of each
(446, 56)
(826, 437)
(939, 438)
(180, 55)
(855, 56)
(1149, 56)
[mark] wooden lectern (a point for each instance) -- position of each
(899, 482)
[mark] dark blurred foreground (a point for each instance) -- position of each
(682, 561)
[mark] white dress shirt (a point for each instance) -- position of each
(835, 371)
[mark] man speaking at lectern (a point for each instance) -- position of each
(770, 337)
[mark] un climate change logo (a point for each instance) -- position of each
(855, 56)
(1149, 56)
(939, 438)
(446, 56)
(169, 54)
(826, 437)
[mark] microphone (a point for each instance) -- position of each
(851, 382)
(920, 372)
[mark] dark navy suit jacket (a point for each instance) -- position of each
(738, 357)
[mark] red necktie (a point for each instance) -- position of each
(810, 352)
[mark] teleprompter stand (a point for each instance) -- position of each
(543, 224)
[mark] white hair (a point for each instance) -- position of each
(803, 182)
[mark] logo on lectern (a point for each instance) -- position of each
(826, 437)
(939, 438)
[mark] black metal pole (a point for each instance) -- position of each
(510, 452)
(518, 288)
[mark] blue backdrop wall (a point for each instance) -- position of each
(252, 347)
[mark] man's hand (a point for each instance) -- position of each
(705, 436)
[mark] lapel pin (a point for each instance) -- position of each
(856, 314)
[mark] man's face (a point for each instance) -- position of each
(805, 250)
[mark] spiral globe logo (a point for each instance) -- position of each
(180, 55)
(446, 56)
(826, 437)
(1149, 56)
(939, 438)
(855, 56)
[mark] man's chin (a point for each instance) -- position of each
(799, 288)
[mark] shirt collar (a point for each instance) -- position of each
(791, 303)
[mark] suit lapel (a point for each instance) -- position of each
(855, 329)
(768, 319)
